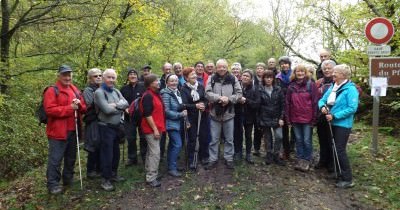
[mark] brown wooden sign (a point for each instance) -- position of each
(386, 67)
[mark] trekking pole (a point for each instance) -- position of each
(185, 143)
(335, 154)
(77, 144)
(196, 151)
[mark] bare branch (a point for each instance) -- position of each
(339, 30)
(32, 71)
(94, 34)
(373, 8)
(287, 45)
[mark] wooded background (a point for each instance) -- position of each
(38, 36)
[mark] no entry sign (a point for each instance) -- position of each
(379, 30)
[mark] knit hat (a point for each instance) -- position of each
(132, 70)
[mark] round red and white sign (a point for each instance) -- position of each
(379, 30)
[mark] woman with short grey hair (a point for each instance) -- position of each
(339, 104)
(92, 136)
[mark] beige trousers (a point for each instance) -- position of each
(152, 157)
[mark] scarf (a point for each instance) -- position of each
(177, 94)
(106, 88)
(332, 97)
(286, 77)
(195, 95)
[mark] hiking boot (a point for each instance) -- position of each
(93, 175)
(131, 162)
(56, 190)
(298, 165)
(174, 173)
(305, 166)
(210, 165)
(345, 184)
(268, 159)
(257, 153)
(154, 183)
(117, 178)
(279, 161)
(229, 164)
(249, 159)
(106, 185)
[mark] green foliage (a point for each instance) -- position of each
(377, 176)
(395, 105)
(22, 146)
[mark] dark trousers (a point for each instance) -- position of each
(109, 151)
(163, 141)
(203, 140)
(238, 133)
(341, 136)
(93, 161)
(257, 137)
(248, 129)
(325, 144)
(288, 141)
(131, 131)
(59, 150)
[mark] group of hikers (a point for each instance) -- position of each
(201, 107)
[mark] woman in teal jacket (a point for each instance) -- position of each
(339, 104)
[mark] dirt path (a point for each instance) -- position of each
(247, 187)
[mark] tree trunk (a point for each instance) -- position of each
(5, 46)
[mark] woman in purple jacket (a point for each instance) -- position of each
(301, 113)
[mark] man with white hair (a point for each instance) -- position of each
(210, 68)
(166, 69)
(272, 65)
(222, 91)
(111, 106)
(324, 54)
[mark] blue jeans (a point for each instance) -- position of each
(109, 151)
(174, 147)
(303, 133)
(59, 150)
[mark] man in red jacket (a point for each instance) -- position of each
(61, 101)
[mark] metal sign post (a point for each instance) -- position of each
(380, 31)
(375, 121)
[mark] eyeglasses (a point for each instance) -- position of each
(97, 75)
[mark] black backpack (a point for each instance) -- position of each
(40, 112)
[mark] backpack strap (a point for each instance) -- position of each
(308, 86)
